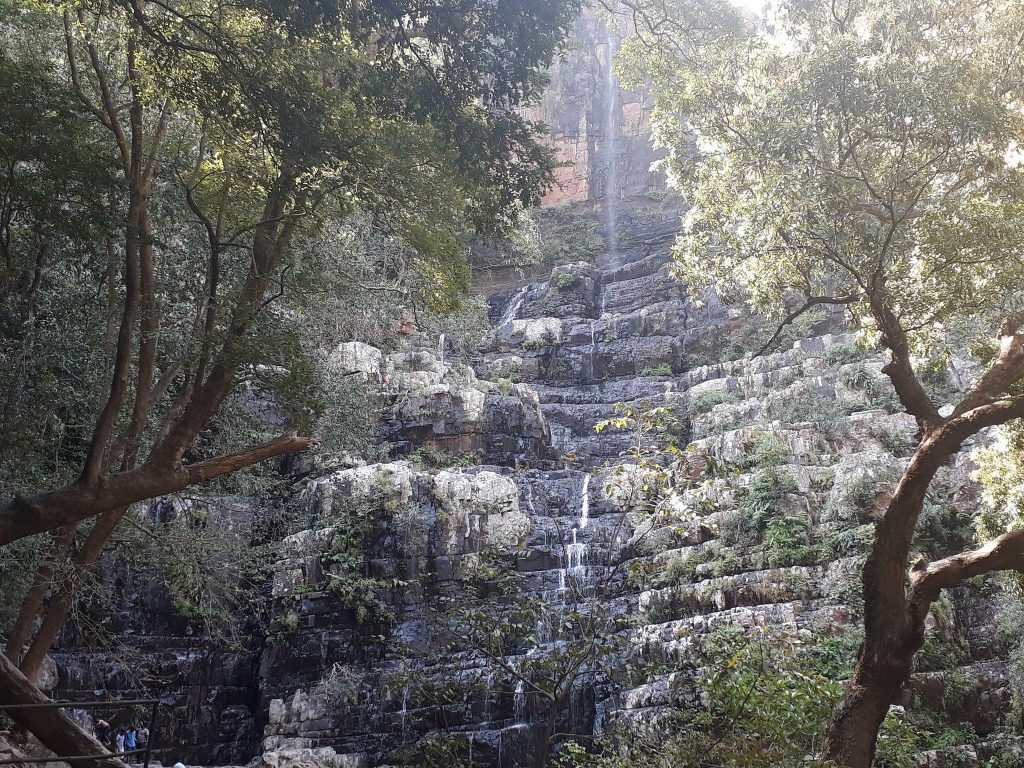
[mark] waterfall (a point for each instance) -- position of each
(585, 502)
(489, 680)
(530, 505)
(577, 553)
(593, 347)
(471, 749)
(440, 348)
(405, 710)
(611, 147)
(513, 306)
(519, 703)
(576, 550)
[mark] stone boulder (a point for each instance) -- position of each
(357, 358)
(324, 757)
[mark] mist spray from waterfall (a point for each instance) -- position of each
(611, 147)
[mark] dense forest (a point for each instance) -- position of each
(507, 383)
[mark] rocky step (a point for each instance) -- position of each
(671, 641)
(746, 589)
(805, 443)
(575, 335)
(979, 692)
(632, 294)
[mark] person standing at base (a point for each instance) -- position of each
(103, 732)
(131, 739)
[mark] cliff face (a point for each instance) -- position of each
(600, 132)
(812, 438)
(499, 472)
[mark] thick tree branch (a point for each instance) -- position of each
(52, 727)
(899, 369)
(810, 303)
(1006, 371)
(1005, 553)
(26, 516)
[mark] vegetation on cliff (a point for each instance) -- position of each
(176, 176)
(862, 155)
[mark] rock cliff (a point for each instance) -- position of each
(813, 438)
(501, 502)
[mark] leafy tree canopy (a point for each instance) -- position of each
(852, 150)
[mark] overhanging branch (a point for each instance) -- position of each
(26, 516)
(810, 303)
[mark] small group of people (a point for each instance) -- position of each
(121, 739)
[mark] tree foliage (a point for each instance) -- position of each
(173, 175)
(865, 155)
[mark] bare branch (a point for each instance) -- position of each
(810, 303)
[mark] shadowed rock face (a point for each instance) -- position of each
(209, 691)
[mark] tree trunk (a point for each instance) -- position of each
(51, 726)
(32, 605)
(63, 598)
(540, 759)
(892, 635)
(853, 733)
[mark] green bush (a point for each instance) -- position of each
(849, 540)
(558, 370)
(427, 457)
(843, 352)
(568, 234)
(805, 407)
(787, 542)
(759, 709)
(679, 569)
(893, 440)
(834, 655)
(763, 452)
(726, 564)
(682, 568)
(877, 390)
(705, 401)
(566, 281)
(764, 498)
(664, 369)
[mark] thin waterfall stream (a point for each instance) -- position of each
(611, 147)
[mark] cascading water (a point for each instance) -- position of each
(593, 347)
(440, 348)
(519, 703)
(611, 146)
(576, 550)
(513, 306)
(405, 711)
(585, 502)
